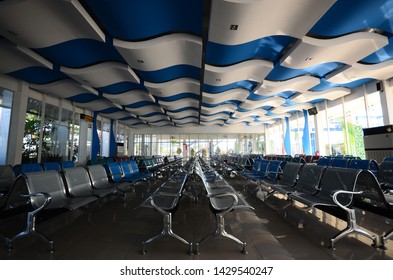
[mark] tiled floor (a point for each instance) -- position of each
(114, 230)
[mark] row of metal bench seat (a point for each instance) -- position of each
(69, 189)
(223, 199)
(335, 190)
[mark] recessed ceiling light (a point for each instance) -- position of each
(140, 61)
(308, 59)
(234, 27)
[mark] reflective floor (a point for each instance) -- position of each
(115, 230)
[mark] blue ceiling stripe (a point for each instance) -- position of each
(121, 87)
(80, 53)
(281, 73)
(213, 105)
(170, 73)
(268, 48)
(249, 85)
(381, 55)
(347, 16)
(109, 110)
(324, 85)
(128, 19)
(178, 97)
(84, 98)
(183, 109)
(38, 75)
(141, 104)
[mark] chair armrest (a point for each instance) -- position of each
(335, 194)
(232, 195)
(46, 196)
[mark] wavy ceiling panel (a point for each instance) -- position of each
(64, 88)
(236, 22)
(301, 83)
(253, 70)
(329, 94)
(274, 101)
(130, 97)
(176, 62)
(346, 49)
(103, 74)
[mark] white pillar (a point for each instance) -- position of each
(17, 124)
(387, 101)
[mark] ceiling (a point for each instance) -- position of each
(184, 63)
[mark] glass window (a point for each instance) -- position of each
(5, 118)
(105, 139)
(50, 139)
(75, 138)
(313, 142)
(356, 119)
(374, 109)
(323, 130)
(337, 130)
(31, 136)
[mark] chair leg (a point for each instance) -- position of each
(220, 231)
(385, 238)
(352, 227)
(30, 230)
(167, 231)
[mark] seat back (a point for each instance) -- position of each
(67, 164)
(339, 162)
(336, 178)
(256, 165)
(325, 161)
(263, 167)
(7, 177)
(51, 166)
(77, 181)
(310, 178)
(290, 173)
(134, 166)
(126, 169)
(275, 169)
(26, 168)
(113, 171)
(98, 177)
(46, 182)
(385, 172)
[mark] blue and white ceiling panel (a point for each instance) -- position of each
(295, 107)
(274, 101)
(346, 49)
(358, 71)
(102, 74)
(174, 87)
(252, 70)
(66, 88)
(329, 94)
(178, 104)
(230, 108)
(183, 114)
(130, 97)
(301, 83)
(45, 23)
(253, 113)
(145, 110)
(233, 94)
(99, 105)
(181, 63)
(235, 22)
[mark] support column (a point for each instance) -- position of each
(17, 124)
(387, 101)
